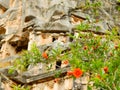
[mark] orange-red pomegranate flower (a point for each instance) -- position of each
(85, 47)
(44, 55)
(77, 72)
(98, 76)
(105, 69)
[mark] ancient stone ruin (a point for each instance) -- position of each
(47, 23)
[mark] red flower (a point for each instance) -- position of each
(77, 72)
(69, 73)
(85, 47)
(44, 55)
(98, 76)
(105, 69)
(66, 62)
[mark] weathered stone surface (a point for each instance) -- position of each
(62, 25)
(14, 44)
(68, 83)
(9, 11)
(7, 50)
(4, 4)
(79, 14)
(34, 70)
(100, 27)
(8, 61)
(53, 27)
(81, 83)
(55, 45)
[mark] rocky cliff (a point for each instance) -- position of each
(48, 23)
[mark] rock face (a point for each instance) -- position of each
(48, 24)
(4, 4)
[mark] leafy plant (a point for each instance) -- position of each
(19, 87)
(98, 56)
(26, 58)
(83, 26)
(93, 7)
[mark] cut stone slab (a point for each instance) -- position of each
(34, 70)
(57, 26)
(24, 79)
(79, 14)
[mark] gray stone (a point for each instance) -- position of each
(57, 26)
(55, 45)
(108, 16)
(102, 26)
(67, 3)
(79, 14)
(46, 15)
(81, 3)
(35, 9)
(34, 70)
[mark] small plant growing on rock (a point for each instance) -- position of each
(33, 56)
(83, 26)
(19, 87)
